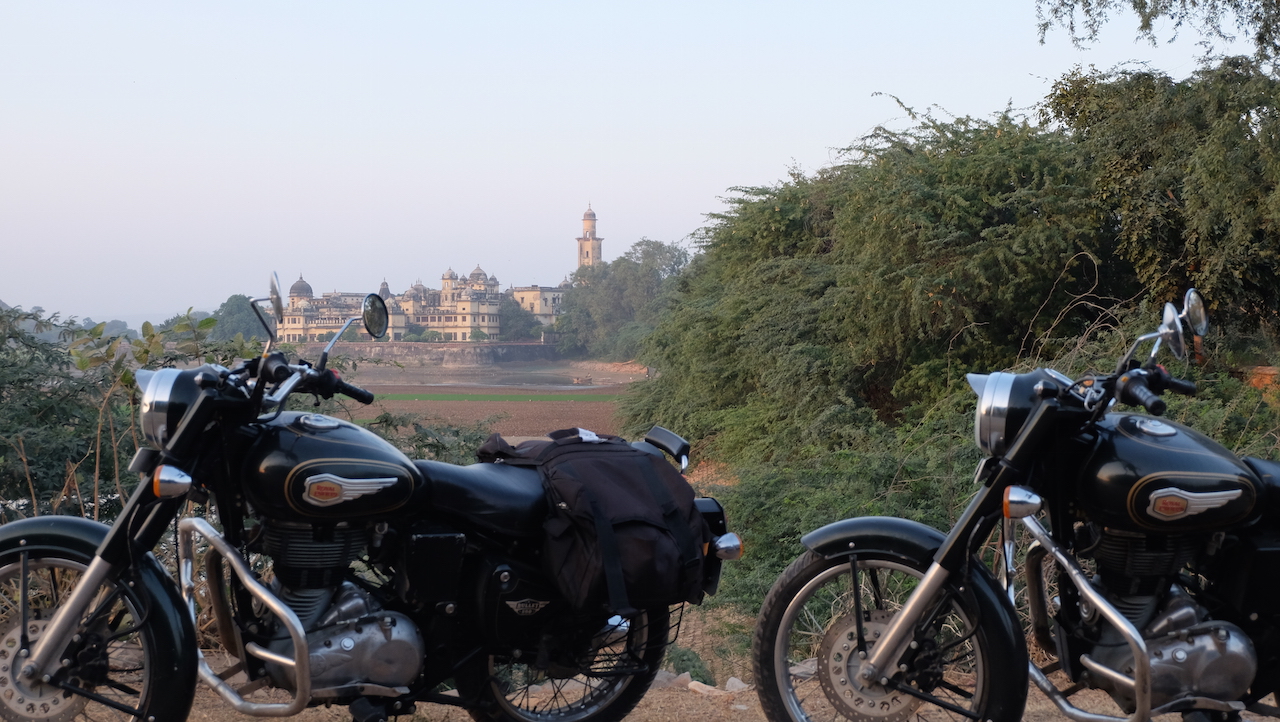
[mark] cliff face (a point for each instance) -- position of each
(448, 355)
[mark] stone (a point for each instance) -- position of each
(807, 669)
(663, 679)
(683, 680)
(736, 685)
(706, 689)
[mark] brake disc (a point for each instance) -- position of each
(838, 664)
(21, 701)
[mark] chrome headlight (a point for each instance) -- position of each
(1004, 402)
(990, 421)
(167, 394)
(157, 397)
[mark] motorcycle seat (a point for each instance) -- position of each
(1269, 495)
(501, 498)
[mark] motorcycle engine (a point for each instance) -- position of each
(353, 641)
(1190, 655)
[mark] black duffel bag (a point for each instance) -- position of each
(622, 529)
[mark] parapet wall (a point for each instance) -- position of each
(440, 354)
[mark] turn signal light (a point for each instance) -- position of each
(1019, 501)
(169, 481)
(728, 546)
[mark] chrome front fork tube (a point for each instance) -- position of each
(878, 666)
(43, 660)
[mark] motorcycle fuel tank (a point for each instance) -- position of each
(1151, 475)
(313, 467)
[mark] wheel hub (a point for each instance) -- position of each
(838, 665)
(19, 699)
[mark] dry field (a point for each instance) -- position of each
(511, 417)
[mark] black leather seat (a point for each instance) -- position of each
(501, 498)
(1269, 494)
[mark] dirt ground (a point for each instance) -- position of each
(509, 418)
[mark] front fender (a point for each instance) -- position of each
(53, 533)
(886, 533)
(76, 538)
(915, 542)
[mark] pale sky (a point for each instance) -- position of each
(160, 155)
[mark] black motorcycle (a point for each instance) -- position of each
(1151, 572)
(335, 570)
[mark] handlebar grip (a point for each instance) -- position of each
(1133, 390)
(354, 392)
(1181, 386)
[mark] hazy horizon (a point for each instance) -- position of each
(159, 157)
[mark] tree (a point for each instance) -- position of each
(477, 335)
(1190, 174)
(518, 323)
(876, 284)
(236, 316)
(612, 306)
(1258, 20)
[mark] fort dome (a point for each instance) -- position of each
(301, 288)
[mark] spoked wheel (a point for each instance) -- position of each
(603, 687)
(807, 659)
(115, 657)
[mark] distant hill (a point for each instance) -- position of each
(4, 306)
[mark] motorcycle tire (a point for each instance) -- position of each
(804, 647)
(133, 649)
(508, 690)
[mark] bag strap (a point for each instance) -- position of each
(676, 523)
(611, 557)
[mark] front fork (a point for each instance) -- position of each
(110, 562)
(881, 661)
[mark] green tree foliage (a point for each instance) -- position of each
(873, 284)
(1190, 171)
(236, 317)
(613, 306)
(518, 323)
(1257, 20)
(47, 413)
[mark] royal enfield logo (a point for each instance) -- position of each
(527, 607)
(327, 489)
(1171, 504)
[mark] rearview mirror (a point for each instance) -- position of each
(277, 303)
(1171, 332)
(1193, 310)
(375, 315)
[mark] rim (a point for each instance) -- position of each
(811, 669)
(123, 677)
(531, 694)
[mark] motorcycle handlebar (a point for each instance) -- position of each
(329, 383)
(1165, 381)
(354, 392)
(1132, 389)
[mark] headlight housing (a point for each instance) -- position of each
(166, 396)
(1004, 402)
